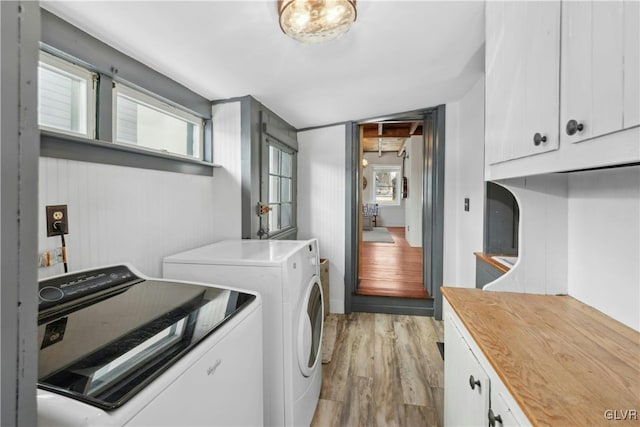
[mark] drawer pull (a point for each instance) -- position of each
(493, 418)
(573, 126)
(473, 382)
(538, 138)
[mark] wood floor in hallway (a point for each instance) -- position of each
(391, 269)
(384, 370)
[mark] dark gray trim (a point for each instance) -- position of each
(19, 35)
(352, 154)
(407, 115)
(427, 203)
(392, 305)
(106, 60)
(433, 215)
(437, 228)
(246, 167)
(88, 150)
(104, 110)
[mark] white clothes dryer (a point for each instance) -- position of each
(286, 274)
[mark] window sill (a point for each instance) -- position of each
(61, 146)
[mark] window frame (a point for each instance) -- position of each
(155, 103)
(57, 64)
(398, 186)
(282, 148)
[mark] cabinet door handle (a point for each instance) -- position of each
(473, 382)
(573, 126)
(538, 138)
(493, 418)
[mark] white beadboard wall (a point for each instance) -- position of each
(542, 245)
(321, 200)
(464, 178)
(604, 241)
(120, 214)
(227, 179)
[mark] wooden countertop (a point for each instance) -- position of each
(564, 362)
(492, 262)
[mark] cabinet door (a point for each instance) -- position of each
(592, 69)
(463, 405)
(631, 64)
(502, 414)
(522, 78)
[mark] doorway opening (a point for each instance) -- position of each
(375, 273)
(390, 232)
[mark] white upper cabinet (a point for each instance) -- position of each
(559, 73)
(631, 69)
(594, 41)
(522, 82)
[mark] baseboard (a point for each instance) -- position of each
(392, 305)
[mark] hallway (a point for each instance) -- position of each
(391, 269)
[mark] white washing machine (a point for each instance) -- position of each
(119, 349)
(286, 274)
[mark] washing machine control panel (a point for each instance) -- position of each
(60, 290)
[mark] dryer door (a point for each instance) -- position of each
(310, 325)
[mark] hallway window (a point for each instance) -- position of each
(66, 97)
(148, 122)
(387, 184)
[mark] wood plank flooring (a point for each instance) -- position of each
(385, 370)
(391, 269)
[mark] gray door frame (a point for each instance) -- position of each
(432, 218)
(19, 153)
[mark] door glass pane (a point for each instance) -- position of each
(285, 215)
(274, 160)
(285, 189)
(314, 310)
(274, 189)
(286, 164)
(274, 215)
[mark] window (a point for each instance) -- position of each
(280, 189)
(387, 184)
(66, 97)
(142, 120)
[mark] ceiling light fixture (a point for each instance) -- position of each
(316, 21)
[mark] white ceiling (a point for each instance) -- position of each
(398, 56)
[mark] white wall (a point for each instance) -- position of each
(464, 178)
(321, 200)
(542, 236)
(121, 214)
(413, 203)
(227, 179)
(604, 241)
(388, 216)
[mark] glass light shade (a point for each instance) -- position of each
(316, 21)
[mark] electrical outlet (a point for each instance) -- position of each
(56, 214)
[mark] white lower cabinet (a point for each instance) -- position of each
(474, 395)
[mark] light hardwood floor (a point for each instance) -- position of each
(385, 370)
(391, 269)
